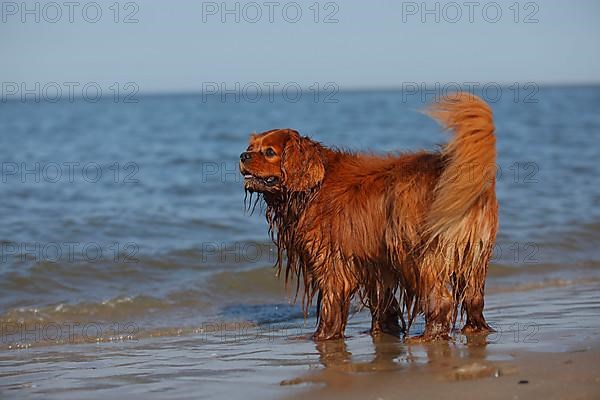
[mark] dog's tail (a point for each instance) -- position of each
(469, 160)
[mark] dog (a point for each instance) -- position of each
(408, 233)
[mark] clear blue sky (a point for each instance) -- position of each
(171, 48)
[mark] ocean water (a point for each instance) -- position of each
(124, 222)
(133, 212)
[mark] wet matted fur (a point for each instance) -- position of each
(408, 233)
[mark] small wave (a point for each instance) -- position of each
(250, 296)
(110, 310)
(543, 284)
(254, 285)
(135, 318)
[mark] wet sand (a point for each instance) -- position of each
(526, 375)
(546, 346)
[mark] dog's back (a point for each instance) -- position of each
(429, 218)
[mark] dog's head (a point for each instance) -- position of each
(281, 159)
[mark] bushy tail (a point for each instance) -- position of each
(469, 160)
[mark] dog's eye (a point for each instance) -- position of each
(270, 153)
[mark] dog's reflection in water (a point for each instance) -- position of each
(391, 353)
(352, 365)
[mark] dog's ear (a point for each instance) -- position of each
(302, 163)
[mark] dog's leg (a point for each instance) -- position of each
(385, 311)
(437, 304)
(473, 290)
(333, 314)
(438, 316)
(473, 305)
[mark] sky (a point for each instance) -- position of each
(183, 46)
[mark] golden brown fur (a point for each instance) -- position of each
(408, 234)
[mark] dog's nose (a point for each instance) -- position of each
(245, 156)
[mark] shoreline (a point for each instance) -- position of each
(117, 319)
(549, 337)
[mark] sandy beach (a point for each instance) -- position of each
(543, 355)
(448, 373)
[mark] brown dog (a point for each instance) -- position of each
(409, 233)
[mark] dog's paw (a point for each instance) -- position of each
(477, 330)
